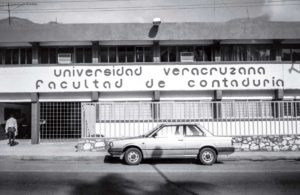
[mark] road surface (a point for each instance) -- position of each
(152, 177)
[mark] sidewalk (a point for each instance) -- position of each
(66, 151)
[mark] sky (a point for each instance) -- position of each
(143, 11)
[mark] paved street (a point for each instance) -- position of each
(151, 177)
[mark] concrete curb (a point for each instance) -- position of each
(54, 158)
(259, 158)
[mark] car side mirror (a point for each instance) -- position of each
(154, 135)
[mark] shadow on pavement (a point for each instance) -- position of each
(14, 143)
(118, 184)
(109, 184)
(111, 160)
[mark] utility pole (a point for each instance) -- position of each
(15, 5)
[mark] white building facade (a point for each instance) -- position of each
(71, 81)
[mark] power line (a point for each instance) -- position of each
(195, 6)
(86, 1)
(17, 4)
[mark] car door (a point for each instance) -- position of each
(194, 139)
(167, 142)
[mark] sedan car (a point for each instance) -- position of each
(172, 141)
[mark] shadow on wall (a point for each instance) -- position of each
(118, 184)
(153, 31)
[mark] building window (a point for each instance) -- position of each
(1, 56)
(16, 56)
(139, 54)
(122, 54)
(83, 55)
(173, 53)
(44, 55)
(112, 54)
(246, 52)
(103, 54)
(125, 54)
(148, 52)
(88, 57)
(290, 54)
(52, 55)
(78, 54)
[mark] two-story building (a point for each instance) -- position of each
(64, 81)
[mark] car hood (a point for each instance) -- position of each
(125, 138)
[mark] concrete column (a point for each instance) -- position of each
(95, 52)
(156, 52)
(156, 105)
(95, 96)
(216, 104)
(35, 53)
(35, 119)
(217, 51)
(277, 107)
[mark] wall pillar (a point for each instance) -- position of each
(216, 104)
(95, 96)
(277, 107)
(35, 119)
(156, 52)
(156, 105)
(95, 52)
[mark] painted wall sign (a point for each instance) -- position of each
(64, 58)
(149, 77)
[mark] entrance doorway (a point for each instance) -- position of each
(22, 113)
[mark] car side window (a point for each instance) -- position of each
(170, 131)
(192, 130)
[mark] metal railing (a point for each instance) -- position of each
(232, 118)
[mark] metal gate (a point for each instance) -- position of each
(234, 118)
(60, 121)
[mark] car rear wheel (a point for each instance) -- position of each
(207, 156)
(133, 156)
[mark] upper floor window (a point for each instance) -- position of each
(177, 53)
(16, 56)
(125, 54)
(290, 53)
(247, 53)
(78, 54)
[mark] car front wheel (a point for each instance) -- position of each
(133, 156)
(207, 156)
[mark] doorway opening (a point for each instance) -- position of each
(22, 113)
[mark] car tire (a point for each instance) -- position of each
(207, 156)
(133, 156)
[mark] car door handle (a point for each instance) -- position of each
(180, 139)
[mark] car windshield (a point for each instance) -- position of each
(151, 131)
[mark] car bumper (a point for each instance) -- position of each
(115, 152)
(225, 150)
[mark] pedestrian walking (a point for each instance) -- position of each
(11, 128)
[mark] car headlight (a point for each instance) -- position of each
(110, 144)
